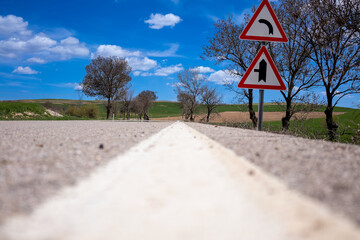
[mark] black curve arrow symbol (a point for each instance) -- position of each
(264, 21)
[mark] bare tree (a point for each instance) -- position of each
(143, 102)
(127, 101)
(292, 58)
(185, 102)
(303, 104)
(106, 78)
(336, 52)
(347, 14)
(189, 89)
(225, 46)
(211, 99)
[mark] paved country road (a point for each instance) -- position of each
(178, 184)
(39, 157)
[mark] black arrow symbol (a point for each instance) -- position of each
(262, 70)
(264, 21)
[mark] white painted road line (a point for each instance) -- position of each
(179, 184)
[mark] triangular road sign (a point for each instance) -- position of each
(264, 26)
(262, 73)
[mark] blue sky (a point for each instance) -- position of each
(45, 45)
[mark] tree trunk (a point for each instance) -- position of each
(108, 108)
(146, 117)
(251, 109)
(286, 120)
(128, 115)
(191, 116)
(208, 116)
(331, 125)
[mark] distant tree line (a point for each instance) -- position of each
(192, 91)
(109, 78)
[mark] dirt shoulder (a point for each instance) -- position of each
(244, 116)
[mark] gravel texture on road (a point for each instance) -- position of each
(328, 172)
(37, 158)
(183, 187)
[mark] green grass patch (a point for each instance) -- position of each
(16, 110)
(165, 109)
(83, 111)
(349, 126)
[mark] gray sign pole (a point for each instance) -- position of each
(260, 109)
(261, 94)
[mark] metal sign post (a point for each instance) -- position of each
(262, 74)
(260, 109)
(263, 26)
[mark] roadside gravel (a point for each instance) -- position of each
(328, 172)
(37, 158)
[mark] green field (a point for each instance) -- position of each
(349, 126)
(349, 123)
(8, 108)
(164, 109)
(35, 109)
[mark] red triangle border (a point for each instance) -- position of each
(251, 67)
(243, 35)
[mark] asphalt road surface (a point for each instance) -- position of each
(131, 180)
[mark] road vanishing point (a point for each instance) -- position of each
(149, 180)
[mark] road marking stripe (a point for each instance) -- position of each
(179, 184)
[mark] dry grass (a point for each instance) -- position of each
(244, 116)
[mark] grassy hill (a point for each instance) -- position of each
(349, 123)
(160, 109)
(37, 109)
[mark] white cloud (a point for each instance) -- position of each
(171, 52)
(136, 73)
(15, 47)
(202, 69)
(223, 76)
(213, 17)
(69, 48)
(41, 45)
(158, 21)
(37, 48)
(177, 84)
(113, 50)
(142, 64)
(135, 59)
(241, 18)
(78, 87)
(11, 24)
(24, 70)
(161, 71)
(166, 71)
(70, 41)
(201, 76)
(40, 42)
(74, 85)
(36, 60)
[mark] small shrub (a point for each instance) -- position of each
(91, 111)
(47, 105)
(85, 111)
